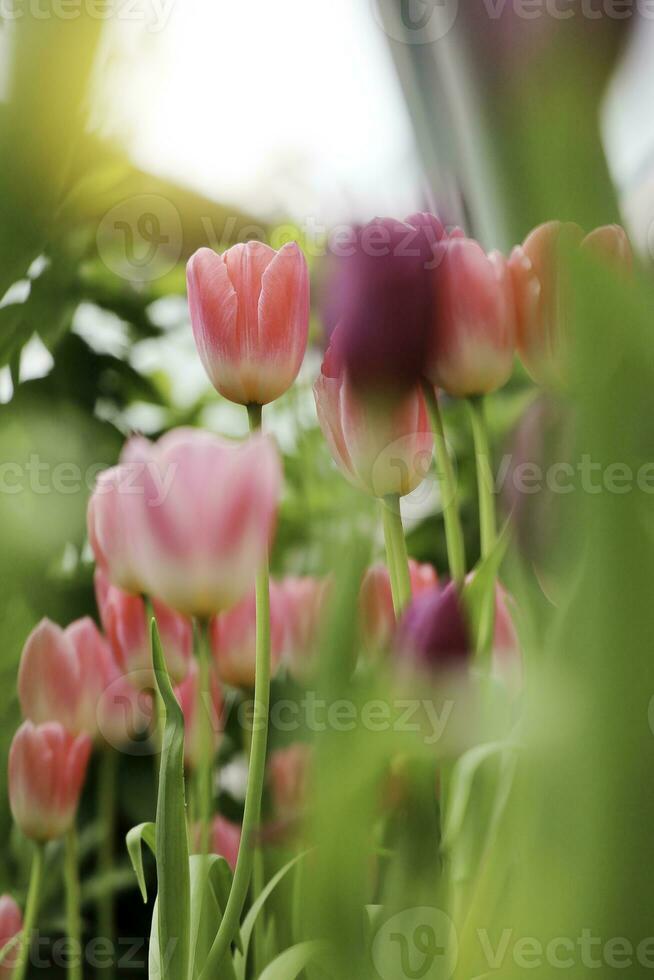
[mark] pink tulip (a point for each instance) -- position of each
(233, 638)
(250, 317)
(225, 839)
(542, 286)
(63, 673)
(507, 654)
(289, 771)
(47, 766)
(376, 600)
(305, 600)
(113, 517)
(11, 924)
(383, 452)
(192, 705)
(474, 335)
(125, 621)
(203, 539)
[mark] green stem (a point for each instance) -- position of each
(107, 817)
(31, 912)
(487, 523)
(398, 560)
(453, 531)
(73, 924)
(256, 770)
(258, 884)
(205, 720)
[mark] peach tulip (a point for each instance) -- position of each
(63, 673)
(202, 540)
(474, 327)
(11, 924)
(376, 600)
(542, 290)
(233, 638)
(250, 317)
(192, 704)
(381, 451)
(125, 620)
(47, 767)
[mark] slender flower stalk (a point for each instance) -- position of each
(257, 764)
(398, 560)
(31, 912)
(487, 521)
(73, 922)
(453, 530)
(205, 789)
(107, 813)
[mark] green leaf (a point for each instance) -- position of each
(173, 875)
(210, 882)
(144, 833)
(240, 959)
(291, 962)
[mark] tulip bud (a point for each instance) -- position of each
(474, 326)
(11, 924)
(193, 706)
(376, 601)
(288, 778)
(201, 551)
(113, 518)
(434, 633)
(542, 287)
(250, 318)
(63, 673)
(233, 638)
(305, 600)
(225, 839)
(47, 767)
(382, 452)
(384, 292)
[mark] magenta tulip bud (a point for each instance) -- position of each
(384, 296)
(381, 451)
(204, 536)
(125, 620)
(233, 638)
(192, 704)
(47, 767)
(474, 327)
(250, 318)
(376, 601)
(11, 925)
(434, 635)
(63, 673)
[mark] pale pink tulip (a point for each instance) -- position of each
(11, 924)
(305, 600)
(233, 638)
(542, 287)
(289, 771)
(125, 620)
(376, 600)
(250, 317)
(203, 539)
(225, 839)
(63, 673)
(47, 767)
(113, 519)
(193, 705)
(383, 450)
(474, 327)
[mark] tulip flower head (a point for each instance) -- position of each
(63, 673)
(47, 767)
(434, 636)
(474, 323)
(250, 317)
(380, 452)
(376, 600)
(542, 288)
(384, 291)
(289, 772)
(11, 924)
(233, 638)
(305, 600)
(113, 519)
(225, 839)
(204, 538)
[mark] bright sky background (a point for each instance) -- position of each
(285, 107)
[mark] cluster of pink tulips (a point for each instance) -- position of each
(181, 530)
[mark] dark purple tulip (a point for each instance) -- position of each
(434, 634)
(381, 294)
